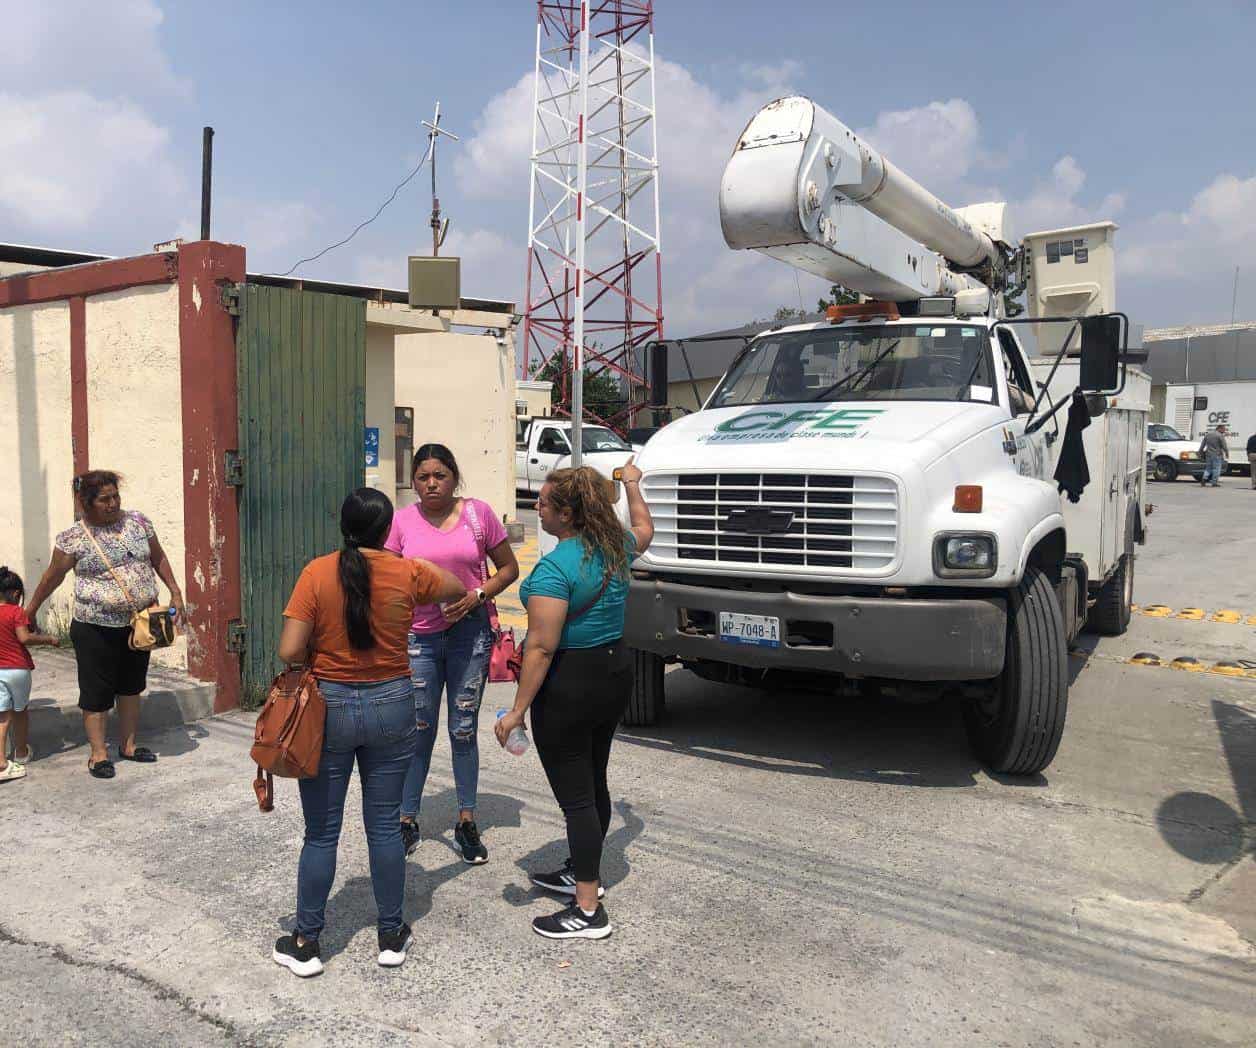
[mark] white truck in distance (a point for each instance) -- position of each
(544, 444)
(871, 501)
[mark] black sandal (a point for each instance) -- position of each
(141, 755)
(102, 769)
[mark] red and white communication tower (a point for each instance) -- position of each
(594, 288)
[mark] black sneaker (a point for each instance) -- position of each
(302, 960)
(393, 947)
(573, 923)
(562, 881)
(467, 835)
(410, 836)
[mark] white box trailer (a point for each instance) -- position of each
(1196, 408)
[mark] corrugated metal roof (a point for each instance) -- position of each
(1195, 331)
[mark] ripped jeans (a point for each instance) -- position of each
(455, 662)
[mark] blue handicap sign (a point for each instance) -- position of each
(371, 444)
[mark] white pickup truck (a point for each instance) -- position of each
(544, 444)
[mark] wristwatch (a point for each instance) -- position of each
(480, 596)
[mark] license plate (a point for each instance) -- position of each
(762, 631)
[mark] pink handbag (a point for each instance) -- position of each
(506, 660)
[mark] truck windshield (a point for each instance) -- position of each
(1163, 433)
(873, 362)
(598, 438)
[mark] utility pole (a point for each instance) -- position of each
(1234, 299)
(439, 228)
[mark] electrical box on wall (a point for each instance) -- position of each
(435, 283)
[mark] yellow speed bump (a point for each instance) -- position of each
(1188, 663)
(1193, 614)
(1229, 669)
(1146, 658)
(1157, 611)
(1226, 615)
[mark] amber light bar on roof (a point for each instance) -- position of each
(861, 311)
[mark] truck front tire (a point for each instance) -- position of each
(1164, 469)
(645, 705)
(1017, 730)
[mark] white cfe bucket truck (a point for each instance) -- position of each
(872, 501)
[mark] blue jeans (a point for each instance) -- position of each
(455, 662)
(1213, 465)
(374, 724)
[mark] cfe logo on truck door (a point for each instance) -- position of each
(764, 424)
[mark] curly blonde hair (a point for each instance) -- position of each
(591, 499)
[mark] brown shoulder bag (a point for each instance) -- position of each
(288, 738)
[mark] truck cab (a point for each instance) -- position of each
(872, 500)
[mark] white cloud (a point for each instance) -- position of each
(70, 163)
(1054, 201)
(109, 48)
(697, 126)
(936, 144)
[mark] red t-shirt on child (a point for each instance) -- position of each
(13, 653)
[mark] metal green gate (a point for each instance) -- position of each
(301, 359)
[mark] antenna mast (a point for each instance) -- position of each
(439, 229)
(594, 285)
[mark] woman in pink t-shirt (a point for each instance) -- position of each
(450, 646)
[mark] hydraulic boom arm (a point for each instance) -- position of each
(804, 189)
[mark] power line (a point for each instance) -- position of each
(379, 211)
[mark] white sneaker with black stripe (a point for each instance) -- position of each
(563, 881)
(393, 947)
(574, 923)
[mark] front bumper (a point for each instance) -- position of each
(920, 639)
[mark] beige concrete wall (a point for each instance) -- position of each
(35, 441)
(134, 410)
(380, 398)
(680, 394)
(538, 396)
(462, 389)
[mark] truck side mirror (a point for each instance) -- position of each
(1101, 353)
(658, 374)
(1096, 404)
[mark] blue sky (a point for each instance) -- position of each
(1099, 110)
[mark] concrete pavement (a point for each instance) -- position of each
(783, 868)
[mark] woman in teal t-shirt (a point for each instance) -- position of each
(577, 674)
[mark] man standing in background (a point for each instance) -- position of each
(1216, 453)
(1251, 458)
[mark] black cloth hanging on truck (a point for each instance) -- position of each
(1071, 472)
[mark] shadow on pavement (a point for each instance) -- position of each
(549, 857)
(867, 739)
(351, 908)
(1204, 828)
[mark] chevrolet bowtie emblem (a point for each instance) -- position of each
(759, 521)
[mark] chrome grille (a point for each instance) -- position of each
(839, 520)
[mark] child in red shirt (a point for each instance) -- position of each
(15, 674)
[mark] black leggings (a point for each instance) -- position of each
(574, 717)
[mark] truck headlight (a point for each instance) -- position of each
(965, 555)
(1188, 456)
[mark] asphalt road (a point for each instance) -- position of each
(783, 869)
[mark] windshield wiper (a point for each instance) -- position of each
(959, 393)
(854, 376)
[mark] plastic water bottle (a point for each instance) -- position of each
(517, 740)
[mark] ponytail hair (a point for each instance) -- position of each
(591, 499)
(365, 519)
(11, 582)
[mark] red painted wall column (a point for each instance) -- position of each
(211, 518)
(78, 383)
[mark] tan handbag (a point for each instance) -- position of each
(151, 627)
(288, 736)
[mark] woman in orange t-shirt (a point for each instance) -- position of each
(349, 615)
